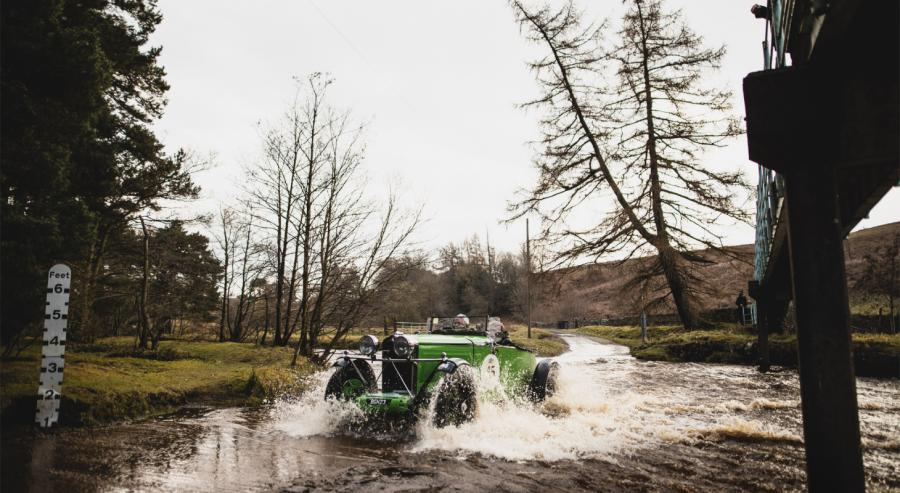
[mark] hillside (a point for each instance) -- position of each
(599, 290)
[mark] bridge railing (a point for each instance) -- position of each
(769, 188)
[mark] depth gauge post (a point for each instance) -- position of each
(53, 348)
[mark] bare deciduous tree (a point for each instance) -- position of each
(225, 236)
(330, 251)
(250, 271)
(242, 260)
(360, 266)
(630, 120)
(282, 187)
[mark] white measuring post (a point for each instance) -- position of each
(53, 349)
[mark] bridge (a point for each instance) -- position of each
(822, 124)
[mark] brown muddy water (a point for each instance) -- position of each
(617, 424)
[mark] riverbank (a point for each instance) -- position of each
(108, 381)
(543, 342)
(875, 355)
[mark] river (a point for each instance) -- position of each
(615, 424)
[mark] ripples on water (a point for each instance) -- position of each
(615, 423)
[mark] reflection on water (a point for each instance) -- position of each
(616, 423)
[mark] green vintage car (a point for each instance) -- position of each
(445, 361)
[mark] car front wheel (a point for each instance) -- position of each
(351, 381)
(456, 398)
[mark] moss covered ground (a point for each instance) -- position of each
(109, 381)
(874, 354)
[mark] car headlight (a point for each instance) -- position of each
(403, 346)
(368, 345)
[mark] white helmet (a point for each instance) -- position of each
(461, 321)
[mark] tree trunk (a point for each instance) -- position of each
(238, 327)
(279, 277)
(224, 317)
(98, 248)
(266, 331)
(162, 326)
(289, 324)
(144, 319)
(684, 303)
(668, 256)
(303, 343)
(87, 296)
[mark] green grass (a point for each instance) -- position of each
(874, 354)
(867, 304)
(108, 381)
(543, 342)
(887, 343)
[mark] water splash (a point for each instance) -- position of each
(577, 422)
(311, 415)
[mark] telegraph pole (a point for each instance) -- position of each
(528, 276)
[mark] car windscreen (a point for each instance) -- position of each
(453, 324)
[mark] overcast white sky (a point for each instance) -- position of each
(439, 83)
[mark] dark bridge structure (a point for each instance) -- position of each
(822, 124)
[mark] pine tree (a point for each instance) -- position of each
(80, 89)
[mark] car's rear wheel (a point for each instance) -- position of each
(456, 398)
(544, 381)
(351, 381)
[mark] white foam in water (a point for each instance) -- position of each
(312, 415)
(579, 421)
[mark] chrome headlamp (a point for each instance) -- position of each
(368, 345)
(403, 346)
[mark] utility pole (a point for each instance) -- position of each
(528, 276)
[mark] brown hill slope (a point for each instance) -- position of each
(599, 290)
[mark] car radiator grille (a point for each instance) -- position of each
(391, 381)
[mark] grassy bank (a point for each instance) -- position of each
(874, 354)
(543, 342)
(107, 381)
